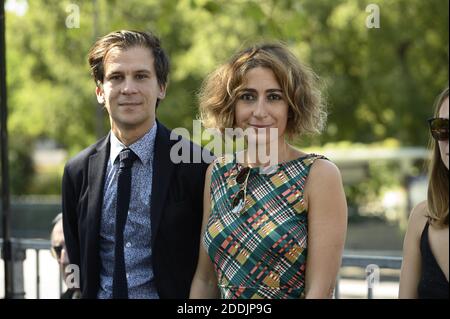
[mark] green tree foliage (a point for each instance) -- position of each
(49, 93)
(380, 82)
(21, 166)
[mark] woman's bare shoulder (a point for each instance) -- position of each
(418, 217)
(325, 169)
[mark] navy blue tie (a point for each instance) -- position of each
(120, 285)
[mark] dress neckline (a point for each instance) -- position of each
(426, 235)
(269, 170)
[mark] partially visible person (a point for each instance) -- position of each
(424, 272)
(58, 250)
(270, 230)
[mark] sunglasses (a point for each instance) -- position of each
(439, 128)
(239, 199)
(57, 251)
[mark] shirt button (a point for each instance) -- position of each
(128, 276)
(128, 245)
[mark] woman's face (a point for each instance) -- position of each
(443, 145)
(262, 107)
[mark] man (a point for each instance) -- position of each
(58, 250)
(138, 238)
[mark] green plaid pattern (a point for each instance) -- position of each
(261, 251)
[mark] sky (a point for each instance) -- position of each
(19, 7)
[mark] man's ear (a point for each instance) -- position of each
(162, 92)
(100, 94)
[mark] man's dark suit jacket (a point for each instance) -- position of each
(176, 214)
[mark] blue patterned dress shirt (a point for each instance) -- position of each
(137, 234)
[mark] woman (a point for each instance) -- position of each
(424, 271)
(278, 232)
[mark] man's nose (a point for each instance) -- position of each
(64, 259)
(129, 86)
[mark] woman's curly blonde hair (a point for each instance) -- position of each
(221, 89)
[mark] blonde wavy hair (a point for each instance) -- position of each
(300, 85)
(438, 177)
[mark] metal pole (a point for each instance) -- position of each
(60, 280)
(336, 288)
(7, 253)
(369, 293)
(38, 276)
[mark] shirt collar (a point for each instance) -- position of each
(143, 147)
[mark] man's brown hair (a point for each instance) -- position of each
(126, 39)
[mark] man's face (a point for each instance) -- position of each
(130, 89)
(59, 246)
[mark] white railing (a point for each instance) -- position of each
(372, 266)
(20, 247)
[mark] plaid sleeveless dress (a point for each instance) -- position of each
(260, 251)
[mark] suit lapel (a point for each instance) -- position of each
(162, 171)
(96, 177)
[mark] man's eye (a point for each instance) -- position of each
(114, 77)
(141, 76)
